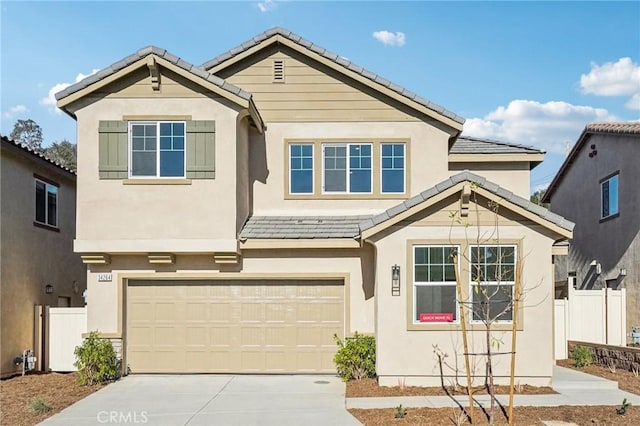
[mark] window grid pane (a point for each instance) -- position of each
(360, 168)
(335, 168)
(609, 189)
(301, 167)
(392, 160)
(158, 149)
(434, 283)
(46, 203)
(492, 282)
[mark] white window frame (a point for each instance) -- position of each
(347, 145)
(130, 148)
(608, 180)
(313, 171)
(501, 283)
(47, 185)
(415, 284)
(404, 168)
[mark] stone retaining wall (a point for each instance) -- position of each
(625, 358)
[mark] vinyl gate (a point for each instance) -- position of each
(597, 316)
(66, 326)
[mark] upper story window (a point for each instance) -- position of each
(493, 270)
(46, 203)
(393, 166)
(609, 197)
(367, 169)
(347, 168)
(301, 168)
(434, 284)
(157, 149)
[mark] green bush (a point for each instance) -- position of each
(38, 405)
(356, 357)
(96, 360)
(582, 356)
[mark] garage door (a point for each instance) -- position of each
(233, 326)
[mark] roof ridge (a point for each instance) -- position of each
(162, 53)
(37, 153)
(333, 57)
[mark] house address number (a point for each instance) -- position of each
(105, 277)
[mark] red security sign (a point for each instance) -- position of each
(444, 317)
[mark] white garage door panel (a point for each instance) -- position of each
(232, 326)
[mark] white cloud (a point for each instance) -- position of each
(620, 78)
(546, 126)
(15, 110)
(390, 39)
(51, 98)
(266, 5)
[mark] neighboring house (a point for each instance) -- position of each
(595, 188)
(236, 216)
(37, 230)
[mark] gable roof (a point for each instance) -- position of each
(414, 204)
(198, 75)
(470, 145)
(631, 128)
(36, 154)
(270, 36)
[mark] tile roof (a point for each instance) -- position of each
(469, 177)
(162, 53)
(333, 57)
(630, 128)
(39, 154)
(302, 227)
(470, 145)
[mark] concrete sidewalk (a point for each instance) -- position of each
(573, 387)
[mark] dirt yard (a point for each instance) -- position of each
(627, 381)
(57, 390)
(592, 416)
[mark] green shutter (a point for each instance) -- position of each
(113, 159)
(201, 138)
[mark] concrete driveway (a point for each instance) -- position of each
(213, 400)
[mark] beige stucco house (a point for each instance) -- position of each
(595, 188)
(37, 228)
(235, 216)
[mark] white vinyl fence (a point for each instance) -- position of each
(66, 326)
(596, 316)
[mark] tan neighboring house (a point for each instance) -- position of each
(38, 265)
(235, 216)
(596, 189)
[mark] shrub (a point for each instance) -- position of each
(96, 360)
(356, 357)
(582, 356)
(38, 405)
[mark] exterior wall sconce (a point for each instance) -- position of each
(395, 280)
(48, 289)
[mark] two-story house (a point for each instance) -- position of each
(594, 189)
(235, 216)
(38, 266)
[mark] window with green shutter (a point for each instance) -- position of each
(157, 149)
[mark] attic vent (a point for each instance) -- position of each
(278, 71)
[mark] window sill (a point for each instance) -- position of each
(608, 218)
(156, 181)
(45, 226)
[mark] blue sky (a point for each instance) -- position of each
(527, 72)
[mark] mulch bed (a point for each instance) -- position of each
(594, 416)
(627, 381)
(57, 390)
(369, 387)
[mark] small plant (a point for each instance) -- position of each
(38, 405)
(519, 387)
(459, 417)
(611, 365)
(96, 360)
(401, 382)
(582, 357)
(401, 412)
(356, 357)
(623, 408)
(635, 370)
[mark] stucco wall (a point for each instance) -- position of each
(33, 257)
(515, 176)
(156, 217)
(614, 243)
(405, 352)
